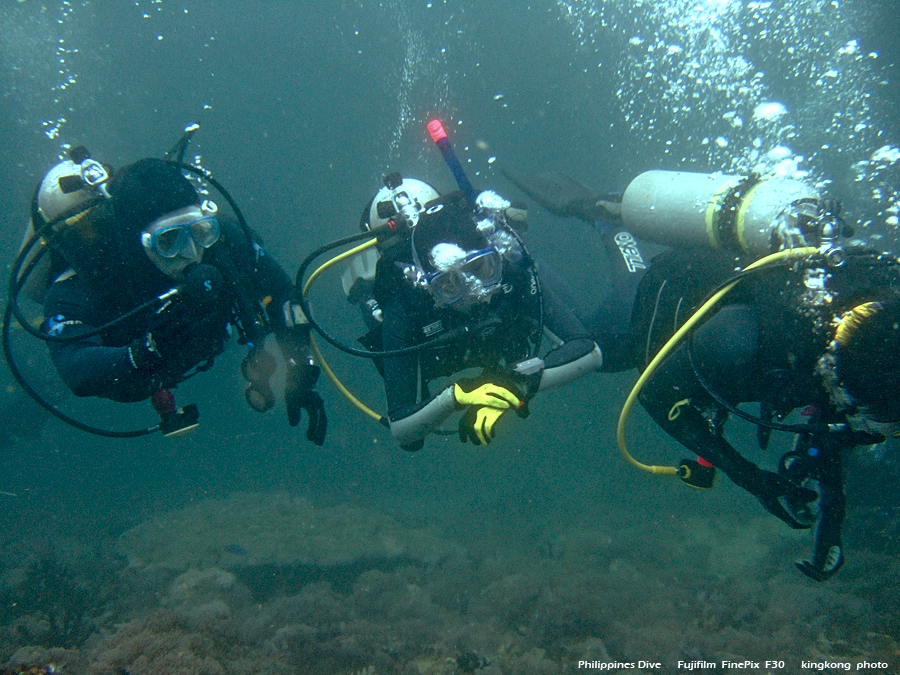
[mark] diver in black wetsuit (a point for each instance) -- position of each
(133, 235)
(462, 273)
(780, 340)
(820, 332)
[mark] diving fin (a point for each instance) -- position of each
(564, 196)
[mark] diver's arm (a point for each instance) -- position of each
(560, 307)
(87, 366)
(678, 403)
(571, 361)
(825, 469)
(410, 426)
(578, 355)
(266, 280)
(410, 421)
(274, 287)
(263, 280)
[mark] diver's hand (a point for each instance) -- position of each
(478, 424)
(782, 498)
(487, 395)
(257, 368)
(144, 354)
(299, 394)
(824, 563)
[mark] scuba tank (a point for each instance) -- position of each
(62, 200)
(740, 213)
(399, 200)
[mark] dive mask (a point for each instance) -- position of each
(176, 232)
(475, 275)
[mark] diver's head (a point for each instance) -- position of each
(862, 367)
(69, 186)
(400, 198)
(459, 264)
(461, 279)
(178, 239)
(158, 207)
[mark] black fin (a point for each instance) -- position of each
(559, 193)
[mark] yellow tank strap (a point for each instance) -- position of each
(741, 217)
(88, 232)
(712, 211)
(73, 220)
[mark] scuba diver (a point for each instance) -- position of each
(457, 282)
(446, 285)
(812, 326)
(141, 282)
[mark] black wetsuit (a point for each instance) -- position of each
(628, 260)
(103, 366)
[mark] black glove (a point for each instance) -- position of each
(816, 461)
(143, 354)
(299, 395)
(824, 563)
(781, 497)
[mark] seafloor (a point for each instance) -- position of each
(271, 583)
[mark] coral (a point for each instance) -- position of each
(159, 645)
(49, 606)
(536, 605)
(258, 530)
(41, 661)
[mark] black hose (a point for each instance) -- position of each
(49, 407)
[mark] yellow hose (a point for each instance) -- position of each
(670, 346)
(329, 373)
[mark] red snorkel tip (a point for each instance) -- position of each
(436, 129)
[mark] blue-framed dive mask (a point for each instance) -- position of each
(472, 277)
(180, 232)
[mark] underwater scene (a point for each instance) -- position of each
(242, 548)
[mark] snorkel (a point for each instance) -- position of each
(439, 136)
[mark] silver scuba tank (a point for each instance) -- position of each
(723, 211)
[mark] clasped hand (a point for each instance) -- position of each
(486, 404)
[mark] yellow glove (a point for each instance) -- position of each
(478, 424)
(489, 395)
